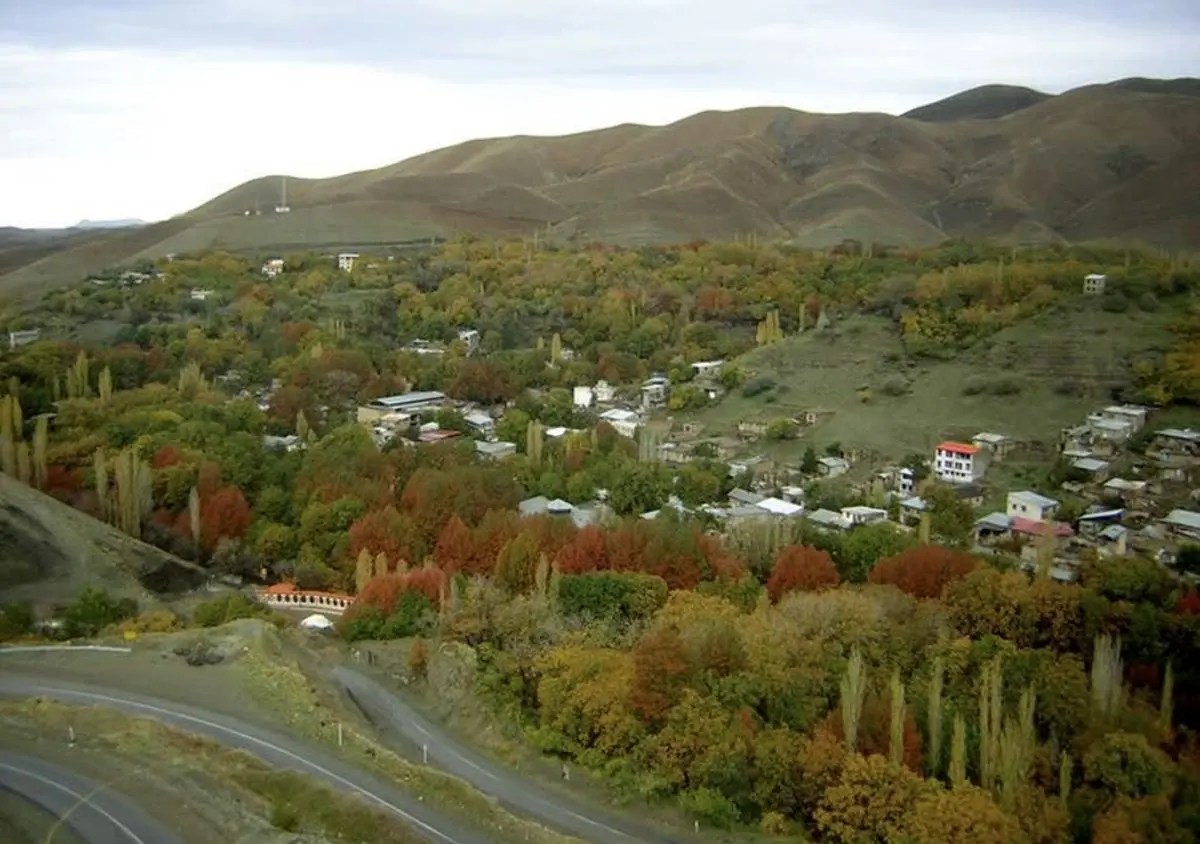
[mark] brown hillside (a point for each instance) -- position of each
(1106, 161)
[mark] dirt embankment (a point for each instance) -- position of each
(49, 552)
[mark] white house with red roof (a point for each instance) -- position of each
(958, 463)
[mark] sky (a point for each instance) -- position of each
(115, 109)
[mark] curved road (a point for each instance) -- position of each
(392, 715)
(275, 749)
(93, 813)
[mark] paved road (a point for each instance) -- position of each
(391, 714)
(93, 813)
(275, 749)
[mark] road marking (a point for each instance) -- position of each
(255, 740)
(33, 649)
(82, 799)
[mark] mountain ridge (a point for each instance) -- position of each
(1111, 161)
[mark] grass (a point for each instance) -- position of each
(282, 688)
(1027, 381)
(288, 801)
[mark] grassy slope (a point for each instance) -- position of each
(49, 552)
(1078, 342)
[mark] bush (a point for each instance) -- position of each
(94, 610)
(711, 806)
(758, 386)
(974, 386)
(1148, 302)
(895, 386)
(608, 594)
(16, 620)
(228, 608)
(1115, 303)
(1006, 386)
(155, 621)
(1071, 387)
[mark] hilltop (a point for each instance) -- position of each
(1118, 161)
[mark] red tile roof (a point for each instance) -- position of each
(959, 448)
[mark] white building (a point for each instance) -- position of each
(1029, 505)
(1094, 284)
(346, 261)
(1134, 414)
(272, 267)
(624, 422)
(199, 294)
(707, 368)
(470, 338)
(583, 396)
(605, 392)
(23, 338)
(957, 463)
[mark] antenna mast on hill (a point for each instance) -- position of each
(282, 207)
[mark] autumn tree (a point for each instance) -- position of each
(923, 572)
(801, 568)
(660, 673)
(454, 549)
(586, 552)
(385, 531)
(871, 801)
(418, 659)
(964, 815)
(224, 514)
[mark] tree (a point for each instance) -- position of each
(224, 515)
(516, 567)
(418, 659)
(937, 678)
(41, 436)
(870, 802)
(1125, 765)
(195, 518)
(801, 568)
(455, 548)
(923, 572)
(853, 691)
(963, 815)
(808, 463)
(660, 670)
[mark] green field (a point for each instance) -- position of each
(1027, 381)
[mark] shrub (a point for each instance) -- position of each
(895, 387)
(1006, 386)
(94, 610)
(1148, 302)
(801, 568)
(628, 596)
(758, 386)
(974, 386)
(16, 620)
(155, 621)
(711, 806)
(1115, 303)
(228, 608)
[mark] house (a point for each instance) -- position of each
(991, 527)
(495, 450)
(779, 507)
(1183, 524)
(906, 481)
(1094, 284)
(752, 429)
(655, 390)
(832, 467)
(199, 294)
(1113, 541)
(605, 392)
(624, 422)
(481, 424)
(739, 496)
(289, 443)
(1114, 431)
(863, 515)
(1030, 529)
(582, 397)
(436, 436)
(998, 445)
(1030, 506)
(1094, 522)
(1127, 491)
(912, 509)
(676, 454)
(469, 337)
(958, 462)
(828, 519)
(582, 515)
(1175, 446)
(1134, 414)
(273, 267)
(1094, 468)
(795, 494)
(406, 403)
(23, 338)
(346, 261)
(707, 369)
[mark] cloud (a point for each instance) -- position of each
(144, 108)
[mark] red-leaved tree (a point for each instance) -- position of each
(924, 571)
(224, 514)
(800, 568)
(386, 531)
(660, 672)
(587, 551)
(455, 547)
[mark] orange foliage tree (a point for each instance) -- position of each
(923, 572)
(801, 568)
(586, 552)
(384, 592)
(660, 670)
(224, 514)
(455, 546)
(386, 532)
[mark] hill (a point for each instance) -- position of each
(50, 552)
(1118, 161)
(1052, 362)
(986, 102)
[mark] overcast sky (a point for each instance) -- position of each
(145, 108)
